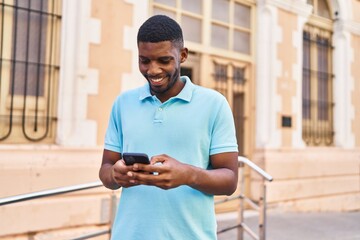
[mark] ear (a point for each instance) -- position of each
(183, 54)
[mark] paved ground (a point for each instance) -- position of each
(298, 226)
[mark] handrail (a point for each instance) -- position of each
(50, 192)
(255, 167)
(93, 234)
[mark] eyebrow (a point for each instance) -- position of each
(159, 58)
(166, 58)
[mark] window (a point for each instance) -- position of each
(229, 76)
(239, 75)
(229, 22)
(188, 12)
(317, 105)
(29, 69)
(221, 77)
(231, 26)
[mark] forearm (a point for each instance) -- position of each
(221, 181)
(106, 176)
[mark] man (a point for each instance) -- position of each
(189, 132)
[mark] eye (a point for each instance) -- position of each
(144, 60)
(165, 60)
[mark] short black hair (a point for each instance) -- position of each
(159, 28)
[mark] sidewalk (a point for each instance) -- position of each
(297, 226)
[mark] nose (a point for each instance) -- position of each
(153, 69)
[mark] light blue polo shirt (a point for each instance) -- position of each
(189, 127)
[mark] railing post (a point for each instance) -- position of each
(241, 201)
(262, 216)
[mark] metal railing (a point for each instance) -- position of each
(260, 206)
(48, 193)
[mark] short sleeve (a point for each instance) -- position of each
(223, 137)
(113, 136)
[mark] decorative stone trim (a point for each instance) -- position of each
(134, 78)
(77, 80)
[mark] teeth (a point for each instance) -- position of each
(156, 79)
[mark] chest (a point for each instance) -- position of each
(177, 124)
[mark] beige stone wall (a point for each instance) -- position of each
(313, 179)
(356, 93)
(286, 85)
(109, 58)
(27, 169)
(356, 10)
(35, 168)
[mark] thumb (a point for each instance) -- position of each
(157, 159)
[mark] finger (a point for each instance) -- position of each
(149, 169)
(145, 178)
(130, 184)
(122, 162)
(157, 159)
(121, 167)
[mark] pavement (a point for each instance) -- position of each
(296, 226)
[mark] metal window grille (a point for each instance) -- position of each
(239, 75)
(317, 105)
(220, 72)
(221, 77)
(29, 53)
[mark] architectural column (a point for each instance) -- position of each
(265, 127)
(343, 81)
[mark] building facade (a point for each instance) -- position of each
(289, 69)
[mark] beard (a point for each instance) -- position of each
(172, 80)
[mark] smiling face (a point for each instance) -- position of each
(160, 63)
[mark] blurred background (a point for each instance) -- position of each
(288, 68)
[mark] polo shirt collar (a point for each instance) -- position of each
(185, 94)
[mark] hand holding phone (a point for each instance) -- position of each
(131, 158)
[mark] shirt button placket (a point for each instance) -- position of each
(159, 115)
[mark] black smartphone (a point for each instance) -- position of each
(131, 158)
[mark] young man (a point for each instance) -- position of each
(189, 133)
